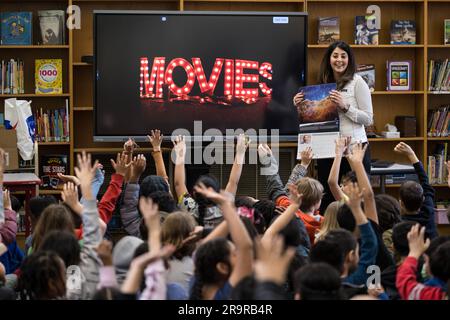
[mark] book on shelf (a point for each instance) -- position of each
(367, 72)
(439, 121)
(52, 26)
(12, 77)
(437, 169)
(48, 76)
(52, 125)
(363, 34)
(16, 28)
(399, 75)
(50, 166)
(439, 75)
(447, 31)
(403, 32)
(328, 30)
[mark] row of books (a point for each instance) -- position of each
(52, 125)
(402, 31)
(437, 168)
(439, 122)
(12, 77)
(439, 75)
(398, 75)
(16, 28)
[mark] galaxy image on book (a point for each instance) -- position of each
(317, 113)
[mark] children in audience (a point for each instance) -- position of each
(417, 199)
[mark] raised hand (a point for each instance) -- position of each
(298, 98)
(85, 172)
(219, 198)
(264, 153)
(69, 195)
(406, 150)
(306, 157)
(242, 144)
(354, 196)
(340, 146)
(104, 252)
(416, 242)
(149, 211)
(129, 146)
(68, 178)
(295, 197)
(7, 200)
(137, 167)
(155, 139)
(142, 261)
(179, 147)
(120, 165)
(356, 154)
(272, 260)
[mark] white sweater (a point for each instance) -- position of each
(356, 95)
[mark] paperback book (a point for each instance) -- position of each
(367, 72)
(51, 165)
(363, 34)
(403, 32)
(318, 121)
(447, 31)
(328, 30)
(52, 25)
(48, 76)
(16, 28)
(399, 75)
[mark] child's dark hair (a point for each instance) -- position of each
(345, 239)
(244, 289)
(318, 281)
(400, 237)
(440, 262)
(164, 200)
(435, 243)
(39, 203)
(411, 195)
(349, 176)
(15, 203)
(203, 203)
(345, 218)
(329, 252)
(42, 277)
(388, 210)
(267, 209)
(207, 256)
(64, 244)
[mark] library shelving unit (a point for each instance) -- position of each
(29, 53)
(437, 12)
(429, 16)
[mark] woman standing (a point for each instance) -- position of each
(354, 105)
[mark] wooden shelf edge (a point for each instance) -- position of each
(34, 47)
(397, 92)
(82, 64)
(380, 46)
(396, 139)
(62, 143)
(33, 95)
(50, 192)
(83, 109)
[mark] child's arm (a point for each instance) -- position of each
(300, 170)
(333, 178)
(107, 273)
(236, 170)
(355, 158)
(284, 219)
(8, 229)
(275, 187)
(369, 246)
(408, 286)
(156, 139)
(239, 235)
(179, 147)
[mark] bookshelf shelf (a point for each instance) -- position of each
(54, 143)
(397, 92)
(396, 139)
(438, 139)
(35, 47)
(49, 192)
(82, 64)
(83, 109)
(440, 185)
(439, 46)
(438, 92)
(32, 95)
(380, 46)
